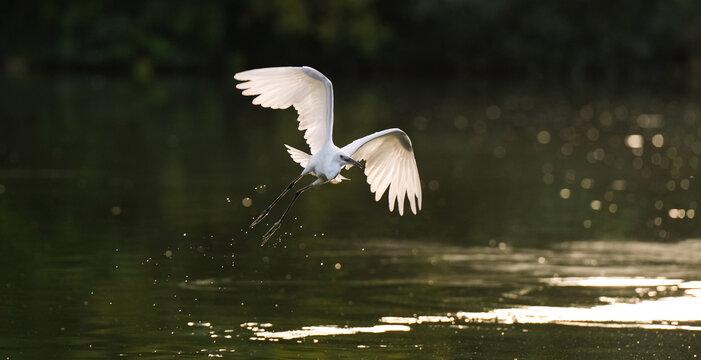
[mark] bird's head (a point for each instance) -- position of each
(347, 160)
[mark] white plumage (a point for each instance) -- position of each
(308, 90)
(388, 154)
(389, 162)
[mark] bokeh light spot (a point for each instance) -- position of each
(659, 204)
(586, 112)
(565, 193)
(499, 152)
(548, 178)
(619, 185)
(543, 137)
(434, 185)
(634, 141)
(420, 123)
(567, 149)
(587, 183)
(460, 122)
(593, 134)
(493, 112)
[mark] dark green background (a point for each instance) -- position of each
(575, 41)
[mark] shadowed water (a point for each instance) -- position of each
(555, 223)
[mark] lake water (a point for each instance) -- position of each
(556, 223)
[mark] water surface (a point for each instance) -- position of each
(556, 223)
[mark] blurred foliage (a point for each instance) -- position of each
(533, 39)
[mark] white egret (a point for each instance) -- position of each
(388, 154)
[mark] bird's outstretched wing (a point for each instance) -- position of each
(389, 162)
(308, 90)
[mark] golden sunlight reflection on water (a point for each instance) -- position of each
(679, 313)
(666, 313)
(605, 284)
(658, 312)
(307, 331)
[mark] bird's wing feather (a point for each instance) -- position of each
(308, 90)
(389, 163)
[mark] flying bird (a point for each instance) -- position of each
(388, 154)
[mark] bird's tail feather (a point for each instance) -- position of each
(298, 156)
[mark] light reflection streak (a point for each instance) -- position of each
(418, 320)
(666, 313)
(308, 331)
(663, 311)
(601, 281)
(655, 313)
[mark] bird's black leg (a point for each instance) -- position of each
(276, 225)
(267, 210)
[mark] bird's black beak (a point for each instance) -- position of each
(353, 162)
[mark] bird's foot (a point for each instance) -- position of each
(270, 232)
(260, 217)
